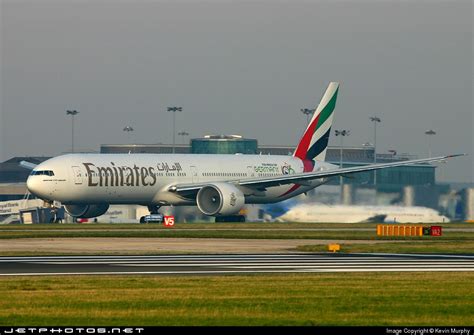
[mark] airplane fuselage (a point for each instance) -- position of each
(146, 178)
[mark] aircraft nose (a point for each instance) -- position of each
(33, 185)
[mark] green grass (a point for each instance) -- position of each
(292, 299)
(197, 225)
(221, 230)
(162, 233)
(451, 242)
(425, 247)
(246, 225)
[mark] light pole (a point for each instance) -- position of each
(308, 112)
(342, 133)
(375, 120)
(429, 133)
(174, 110)
(183, 133)
(128, 129)
(72, 113)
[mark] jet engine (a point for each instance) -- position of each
(86, 211)
(220, 199)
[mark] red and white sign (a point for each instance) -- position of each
(436, 231)
(168, 221)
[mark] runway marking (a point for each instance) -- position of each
(259, 265)
(243, 259)
(227, 272)
(230, 264)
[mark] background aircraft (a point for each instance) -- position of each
(291, 211)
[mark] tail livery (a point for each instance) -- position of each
(314, 142)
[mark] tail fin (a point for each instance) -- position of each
(314, 142)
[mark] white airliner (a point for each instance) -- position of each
(354, 214)
(220, 185)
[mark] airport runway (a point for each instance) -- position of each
(230, 264)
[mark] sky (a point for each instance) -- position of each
(237, 67)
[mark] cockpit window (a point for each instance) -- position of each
(43, 173)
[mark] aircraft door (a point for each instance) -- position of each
(250, 172)
(194, 174)
(76, 170)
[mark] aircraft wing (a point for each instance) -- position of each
(28, 165)
(261, 183)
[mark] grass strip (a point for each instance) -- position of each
(191, 226)
(243, 230)
(353, 299)
(423, 247)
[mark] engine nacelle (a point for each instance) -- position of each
(220, 199)
(86, 211)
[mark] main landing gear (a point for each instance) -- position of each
(154, 215)
(153, 209)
